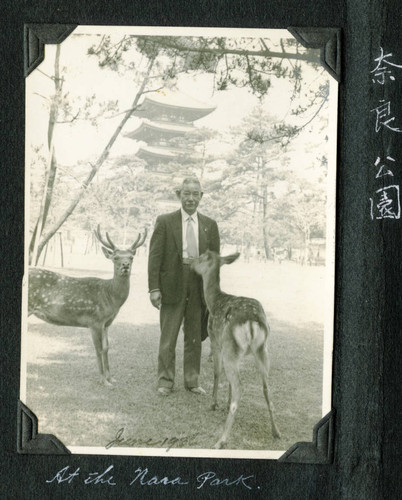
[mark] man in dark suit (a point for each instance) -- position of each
(175, 289)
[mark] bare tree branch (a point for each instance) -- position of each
(43, 97)
(69, 121)
(97, 165)
(264, 45)
(153, 90)
(45, 74)
(179, 45)
(316, 113)
(284, 52)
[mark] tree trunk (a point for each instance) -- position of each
(39, 226)
(56, 226)
(266, 243)
(306, 244)
(125, 224)
(51, 176)
(264, 221)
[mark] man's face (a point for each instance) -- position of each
(190, 197)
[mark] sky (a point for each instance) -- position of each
(84, 143)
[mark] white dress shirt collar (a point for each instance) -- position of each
(185, 215)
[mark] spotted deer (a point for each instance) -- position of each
(85, 302)
(236, 326)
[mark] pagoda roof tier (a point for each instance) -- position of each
(174, 105)
(151, 129)
(163, 154)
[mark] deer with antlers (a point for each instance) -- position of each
(85, 302)
(236, 326)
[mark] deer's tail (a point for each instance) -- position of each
(252, 335)
(259, 331)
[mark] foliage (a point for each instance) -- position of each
(130, 191)
(259, 196)
(297, 216)
(235, 62)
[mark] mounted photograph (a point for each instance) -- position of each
(178, 295)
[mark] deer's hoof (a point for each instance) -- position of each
(106, 383)
(276, 434)
(214, 406)
(112, 380)
(219, 445)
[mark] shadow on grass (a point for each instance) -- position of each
(64, 391)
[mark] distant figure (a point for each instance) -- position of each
(247, 251)
(175, 289)
(311, 259)
(279, 254)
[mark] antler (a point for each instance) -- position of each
(109, 243)
(139, 241)
(111, 246)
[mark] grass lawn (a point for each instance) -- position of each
(63, 390)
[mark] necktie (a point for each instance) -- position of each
(192, 250)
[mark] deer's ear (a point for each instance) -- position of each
(108, 253)
(228, 259)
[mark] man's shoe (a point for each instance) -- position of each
(197, 390)
(165, 391)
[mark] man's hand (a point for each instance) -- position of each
(156, 298)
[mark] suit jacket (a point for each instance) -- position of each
(165, 263)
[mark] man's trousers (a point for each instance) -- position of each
(189, 308)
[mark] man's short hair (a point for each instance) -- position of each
(188, 180)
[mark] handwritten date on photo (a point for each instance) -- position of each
(144, 478)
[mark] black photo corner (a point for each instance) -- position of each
(354, 450)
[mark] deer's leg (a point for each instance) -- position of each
(97, 340)
(261, 355)
(105, 355)
(231, 361)
(210, 355)
(217, 357)
(229, 396)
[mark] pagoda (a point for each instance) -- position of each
(167, 122)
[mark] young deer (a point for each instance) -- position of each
(85, 302)
(236, 326)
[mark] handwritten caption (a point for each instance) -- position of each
(143, 477)
(177, 442)
(385, 202)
